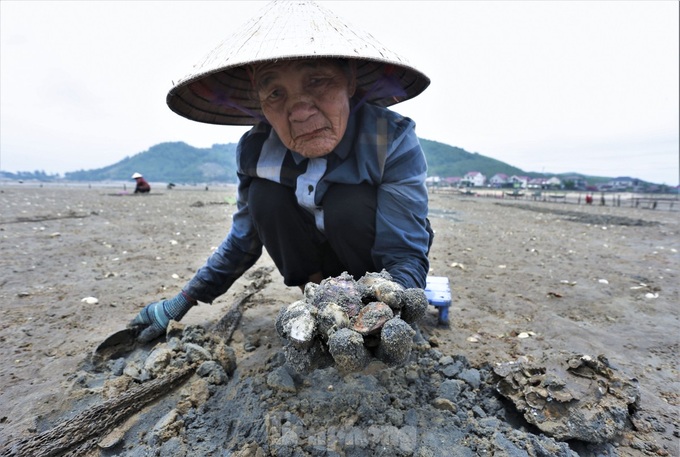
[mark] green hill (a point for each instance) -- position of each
(170, 162)
(180, 163)
(444, 160)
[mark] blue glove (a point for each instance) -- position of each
(155, 317)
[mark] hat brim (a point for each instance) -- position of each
(220, 90)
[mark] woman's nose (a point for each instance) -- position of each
(301, 110)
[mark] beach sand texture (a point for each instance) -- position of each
(532, 281)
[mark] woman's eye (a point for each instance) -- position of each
(272, 95)
(316, 81)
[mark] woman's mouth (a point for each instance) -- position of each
(311, 133)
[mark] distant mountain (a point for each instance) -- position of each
(180, 163)
(170, 162)
(444, 160)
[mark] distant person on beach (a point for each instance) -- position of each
(329, 179)
(141, 187)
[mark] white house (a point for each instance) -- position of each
(536, 183)
(554, 182)
(623, 183)
(498, 180)
(577, 182)
(473, 179)
(432, 181)
(452, 181)
(519, 181)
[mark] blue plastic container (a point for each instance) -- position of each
(438, 293)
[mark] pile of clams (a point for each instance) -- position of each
(347, 323)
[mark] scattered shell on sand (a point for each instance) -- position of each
(570, 397)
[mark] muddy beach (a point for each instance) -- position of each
(552, 303)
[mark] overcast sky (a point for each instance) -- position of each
(550, 86)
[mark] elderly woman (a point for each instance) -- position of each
(329, 179)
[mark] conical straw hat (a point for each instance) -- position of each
(218, 90)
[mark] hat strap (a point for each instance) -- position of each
(201, 89)
(384, 87)
(223, 100)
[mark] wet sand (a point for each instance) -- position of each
(529, 279)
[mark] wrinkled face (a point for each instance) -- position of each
(306, 102)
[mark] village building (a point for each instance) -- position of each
(473, 179)
(498, 180)
(519, 181)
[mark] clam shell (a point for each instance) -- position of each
(415, 305)
(371, 318)
(348, 350)
(390, 293)
(396, 341)
(289, 313)
(372, 278)
(301, 330)
(310, 290)
(331, 318)
(341, 290)
(380, 287)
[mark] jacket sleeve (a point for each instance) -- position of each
(238, 251)
(402, 229)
